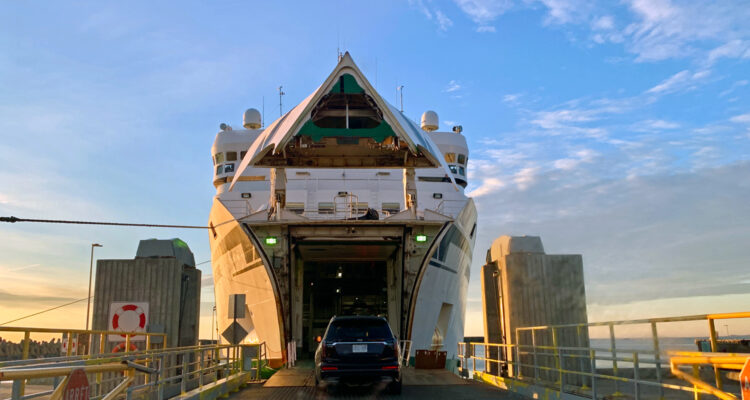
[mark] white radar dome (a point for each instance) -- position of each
(251, 119)
(430, 121)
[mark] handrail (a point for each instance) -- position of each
(541, 350)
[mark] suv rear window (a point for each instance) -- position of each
(359, 330)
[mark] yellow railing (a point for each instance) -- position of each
(102, 336)
(179, 370)
(731, 361)
(502, 362)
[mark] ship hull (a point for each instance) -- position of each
(372, 267)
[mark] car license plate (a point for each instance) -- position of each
(359, 348)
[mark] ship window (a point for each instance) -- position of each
(453, 169)
(228, 167)
(461, 171)
(242, 155)
(231, 156)
(450, 157)
(461, 159)
(219, 169)
(325, 208)
(297, 208)
(219, 158)
(434, 179)
(391, 208)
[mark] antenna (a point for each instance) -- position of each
(401, 91)
(281, 93)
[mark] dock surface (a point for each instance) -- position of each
(298, 383)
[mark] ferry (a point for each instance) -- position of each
(342, 206)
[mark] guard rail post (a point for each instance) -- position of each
(714, 349)
(636, 377)
(613, 347)
(657, 357)
(592, 357)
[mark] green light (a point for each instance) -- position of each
(420, 238)
(271, 240)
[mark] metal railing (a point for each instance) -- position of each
(574, 369)
(730, 361)
(157, 373)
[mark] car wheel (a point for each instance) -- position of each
(395, 387)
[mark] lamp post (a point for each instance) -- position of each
(91, 270)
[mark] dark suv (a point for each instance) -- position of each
(358, 349)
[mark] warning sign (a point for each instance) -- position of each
(745, 380)
(77, 387)
(128, 317)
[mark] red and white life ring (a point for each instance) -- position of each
(120, 347)
(129, 307)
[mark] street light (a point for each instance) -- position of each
(91, 270)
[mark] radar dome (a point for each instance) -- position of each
(251, 119)
(430, 121)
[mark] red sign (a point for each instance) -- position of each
(77, 387)
(745, 380)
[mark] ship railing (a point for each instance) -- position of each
(156, 373)
(238, 207)
(560, 358)
(450, 207)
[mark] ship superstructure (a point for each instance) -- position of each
(342, 206)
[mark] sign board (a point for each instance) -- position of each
(64, 345)
(234, 333)
(77, 387)
(745, 380)
(236, 306)
(128, 317)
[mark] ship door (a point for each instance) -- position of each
(335, 281)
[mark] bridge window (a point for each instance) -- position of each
(219, 169)
(453, 169)
(325, 208)
(242, 155)
(228, 167)
(231, 156)
(461, 171)
(219, 158)
(461, 159)
(347, 106)
(450, 157)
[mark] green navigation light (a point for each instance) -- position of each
(420, 238)
(271, 240)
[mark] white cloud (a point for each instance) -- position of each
(486, 28)
(484, 12)
(659, 124)
(733, 49)
(741, 119)
(511, 98)
(604, 23)
(488, 186)
(683, 80)
(442, 20)
(525, 177)
(453, 86)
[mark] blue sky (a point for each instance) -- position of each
(618, 130)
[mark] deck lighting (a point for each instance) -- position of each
(271, 240)
(420, 238)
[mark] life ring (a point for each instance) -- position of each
(129, 307)
(120, 347)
